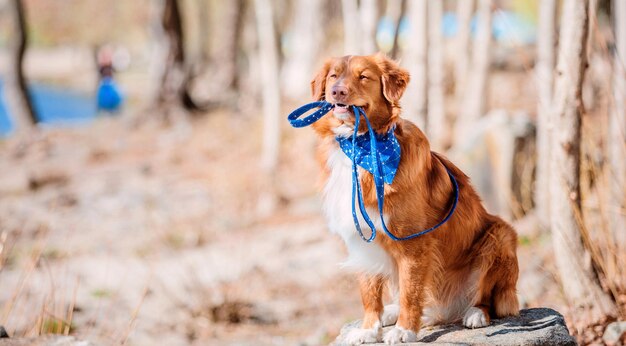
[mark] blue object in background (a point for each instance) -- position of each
(450, 25)
(512, 27)
(5, 124)
(386, 34)
(109, 96)
(53, 105)
(507, 27)
(403, 32)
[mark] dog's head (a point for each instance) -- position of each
(374, 83)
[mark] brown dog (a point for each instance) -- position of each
(465, 270)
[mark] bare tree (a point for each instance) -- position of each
(268, 56)
(268, 64)
(578, 277)
(464, 11)
(436, 123)
(416, 59)
(545, 81)
(368, 11)
(15, 90)
(351, 27)
(396, 9)
(204, 30)
(474, 99)
(228, 43)
(176, 77)
(173, 77)
(359, 26)
(307, 28)
(617, 129)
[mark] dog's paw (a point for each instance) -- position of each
(399, 335)
(390, 315)
(360, 336)
(475, 318)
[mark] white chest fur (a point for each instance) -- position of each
(363, 256)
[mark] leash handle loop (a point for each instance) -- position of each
(324, 107)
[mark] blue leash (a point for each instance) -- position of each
(324, 107)
(379, 183)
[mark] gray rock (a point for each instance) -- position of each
(539, 326)
(46, 340)
(614, 332)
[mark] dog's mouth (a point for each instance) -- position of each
(343, 111)
(341, 107)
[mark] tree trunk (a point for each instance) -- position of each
(464, 12)
(174, 74)
(436, 123)
(578, 277)
(268, 62)
(307, 30)
(228, 44)
(396, 9)
(268, 56)
(359, 26)
(351, 27)
(369, 19)
(415, 99)
(15, 89)
(545, 81)
(474, 100)
(204, 31)
(176, 78)
(617, 131)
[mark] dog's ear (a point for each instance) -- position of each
(394, 78)
(318, 84)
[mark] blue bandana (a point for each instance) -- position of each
(388, 152)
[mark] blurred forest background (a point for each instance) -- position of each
(151, 191)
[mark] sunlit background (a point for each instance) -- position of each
(157, 195)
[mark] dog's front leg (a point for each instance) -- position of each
(371, 287)
(413, 275)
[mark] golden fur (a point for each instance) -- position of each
(432, 269)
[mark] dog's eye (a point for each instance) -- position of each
(333, 76)
(362, 77)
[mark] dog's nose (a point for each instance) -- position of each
(339, 92)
